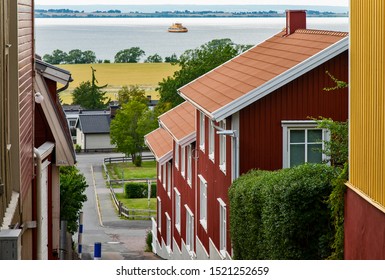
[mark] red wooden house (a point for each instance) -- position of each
(33, 142)
(254, 112)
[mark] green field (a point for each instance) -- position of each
(116, 75)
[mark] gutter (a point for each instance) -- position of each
(66, 86)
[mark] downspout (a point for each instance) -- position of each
(66, 86)
(38, 202)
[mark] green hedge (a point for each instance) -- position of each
(139, 190)
(282, 214)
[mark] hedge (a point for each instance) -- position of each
(139, 190)
(282, 214)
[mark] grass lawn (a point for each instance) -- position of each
(127, 170)
(116, 75)
(136, 203)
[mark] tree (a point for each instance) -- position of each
(194, 63)
(156, 58)
(72, 187)
(127, 130)
(57, 57)
(131, 55)
(171, 59)
(89, 95)
(132, 92)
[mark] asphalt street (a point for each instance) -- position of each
(120, 239)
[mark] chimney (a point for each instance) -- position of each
(295, 19)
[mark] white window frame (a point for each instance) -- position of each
(202, 131)
(176, 156)
(159, 221)
(222, 227)
(168, 232)
(299, 125)
(189, 165)
(169, 178)
(177, 209)
(159, 171)
(222, 148)
(182, 161)
(164, 176)
(211, 141)
(189, 230)
(203, 201)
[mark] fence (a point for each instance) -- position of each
(122, 210)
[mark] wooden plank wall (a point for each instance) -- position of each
(26, 55)
(367, 100)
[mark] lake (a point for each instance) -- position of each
(107, 36)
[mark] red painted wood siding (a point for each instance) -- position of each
(364, 229)
(26, 54)
(166, 203)
(218, 184)
(260, 123)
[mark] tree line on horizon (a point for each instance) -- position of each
(130, 55)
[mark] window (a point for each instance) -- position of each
(211, 141)
(159, 214)
(177, 209)
(222, 148)
(202, 131)
(176, 155)
(164, 175)
(189, 165)
(159, 171)
(169, 178)
(222, 227)
(203, 202)
(189, 230)
(303, 142)
(168, 232)
(182, 161)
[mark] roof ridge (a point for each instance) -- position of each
(322, 32)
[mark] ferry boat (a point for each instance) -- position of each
(177, 28)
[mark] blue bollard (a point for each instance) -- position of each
(98, 251)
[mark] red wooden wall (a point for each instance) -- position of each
(260, 123)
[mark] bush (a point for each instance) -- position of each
(287, 212)
(78, 149)
(148, 241)
(139, 190)
(138, 161)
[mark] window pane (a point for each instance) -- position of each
(314, 153)
(314, 136)
(297, 154)
(297, 136)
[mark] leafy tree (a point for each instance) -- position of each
(75, 57)
(171, 59)
(88, 57)
(128, 128)
(131, 55)
(72, 187)
(89, 95)
(194, 63)
(57, 57)
(132, 92)
(156, 58)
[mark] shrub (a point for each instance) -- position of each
(148, 241)
(139, 190)
(78, 149)
(286, 212)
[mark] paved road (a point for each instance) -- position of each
(120, 239)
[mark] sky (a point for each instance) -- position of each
(197, 2)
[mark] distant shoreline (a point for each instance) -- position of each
(174, 14)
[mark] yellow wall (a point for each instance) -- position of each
(367, 99)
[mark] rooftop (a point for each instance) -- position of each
(94, 123)
(160, 143)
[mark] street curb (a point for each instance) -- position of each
(96, 197)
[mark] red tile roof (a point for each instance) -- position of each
(180, 123)
(241, 76)
(160, 143)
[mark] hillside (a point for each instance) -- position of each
(146, 75)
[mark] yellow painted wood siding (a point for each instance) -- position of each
(367, 99)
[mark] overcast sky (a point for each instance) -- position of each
(197, 2)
